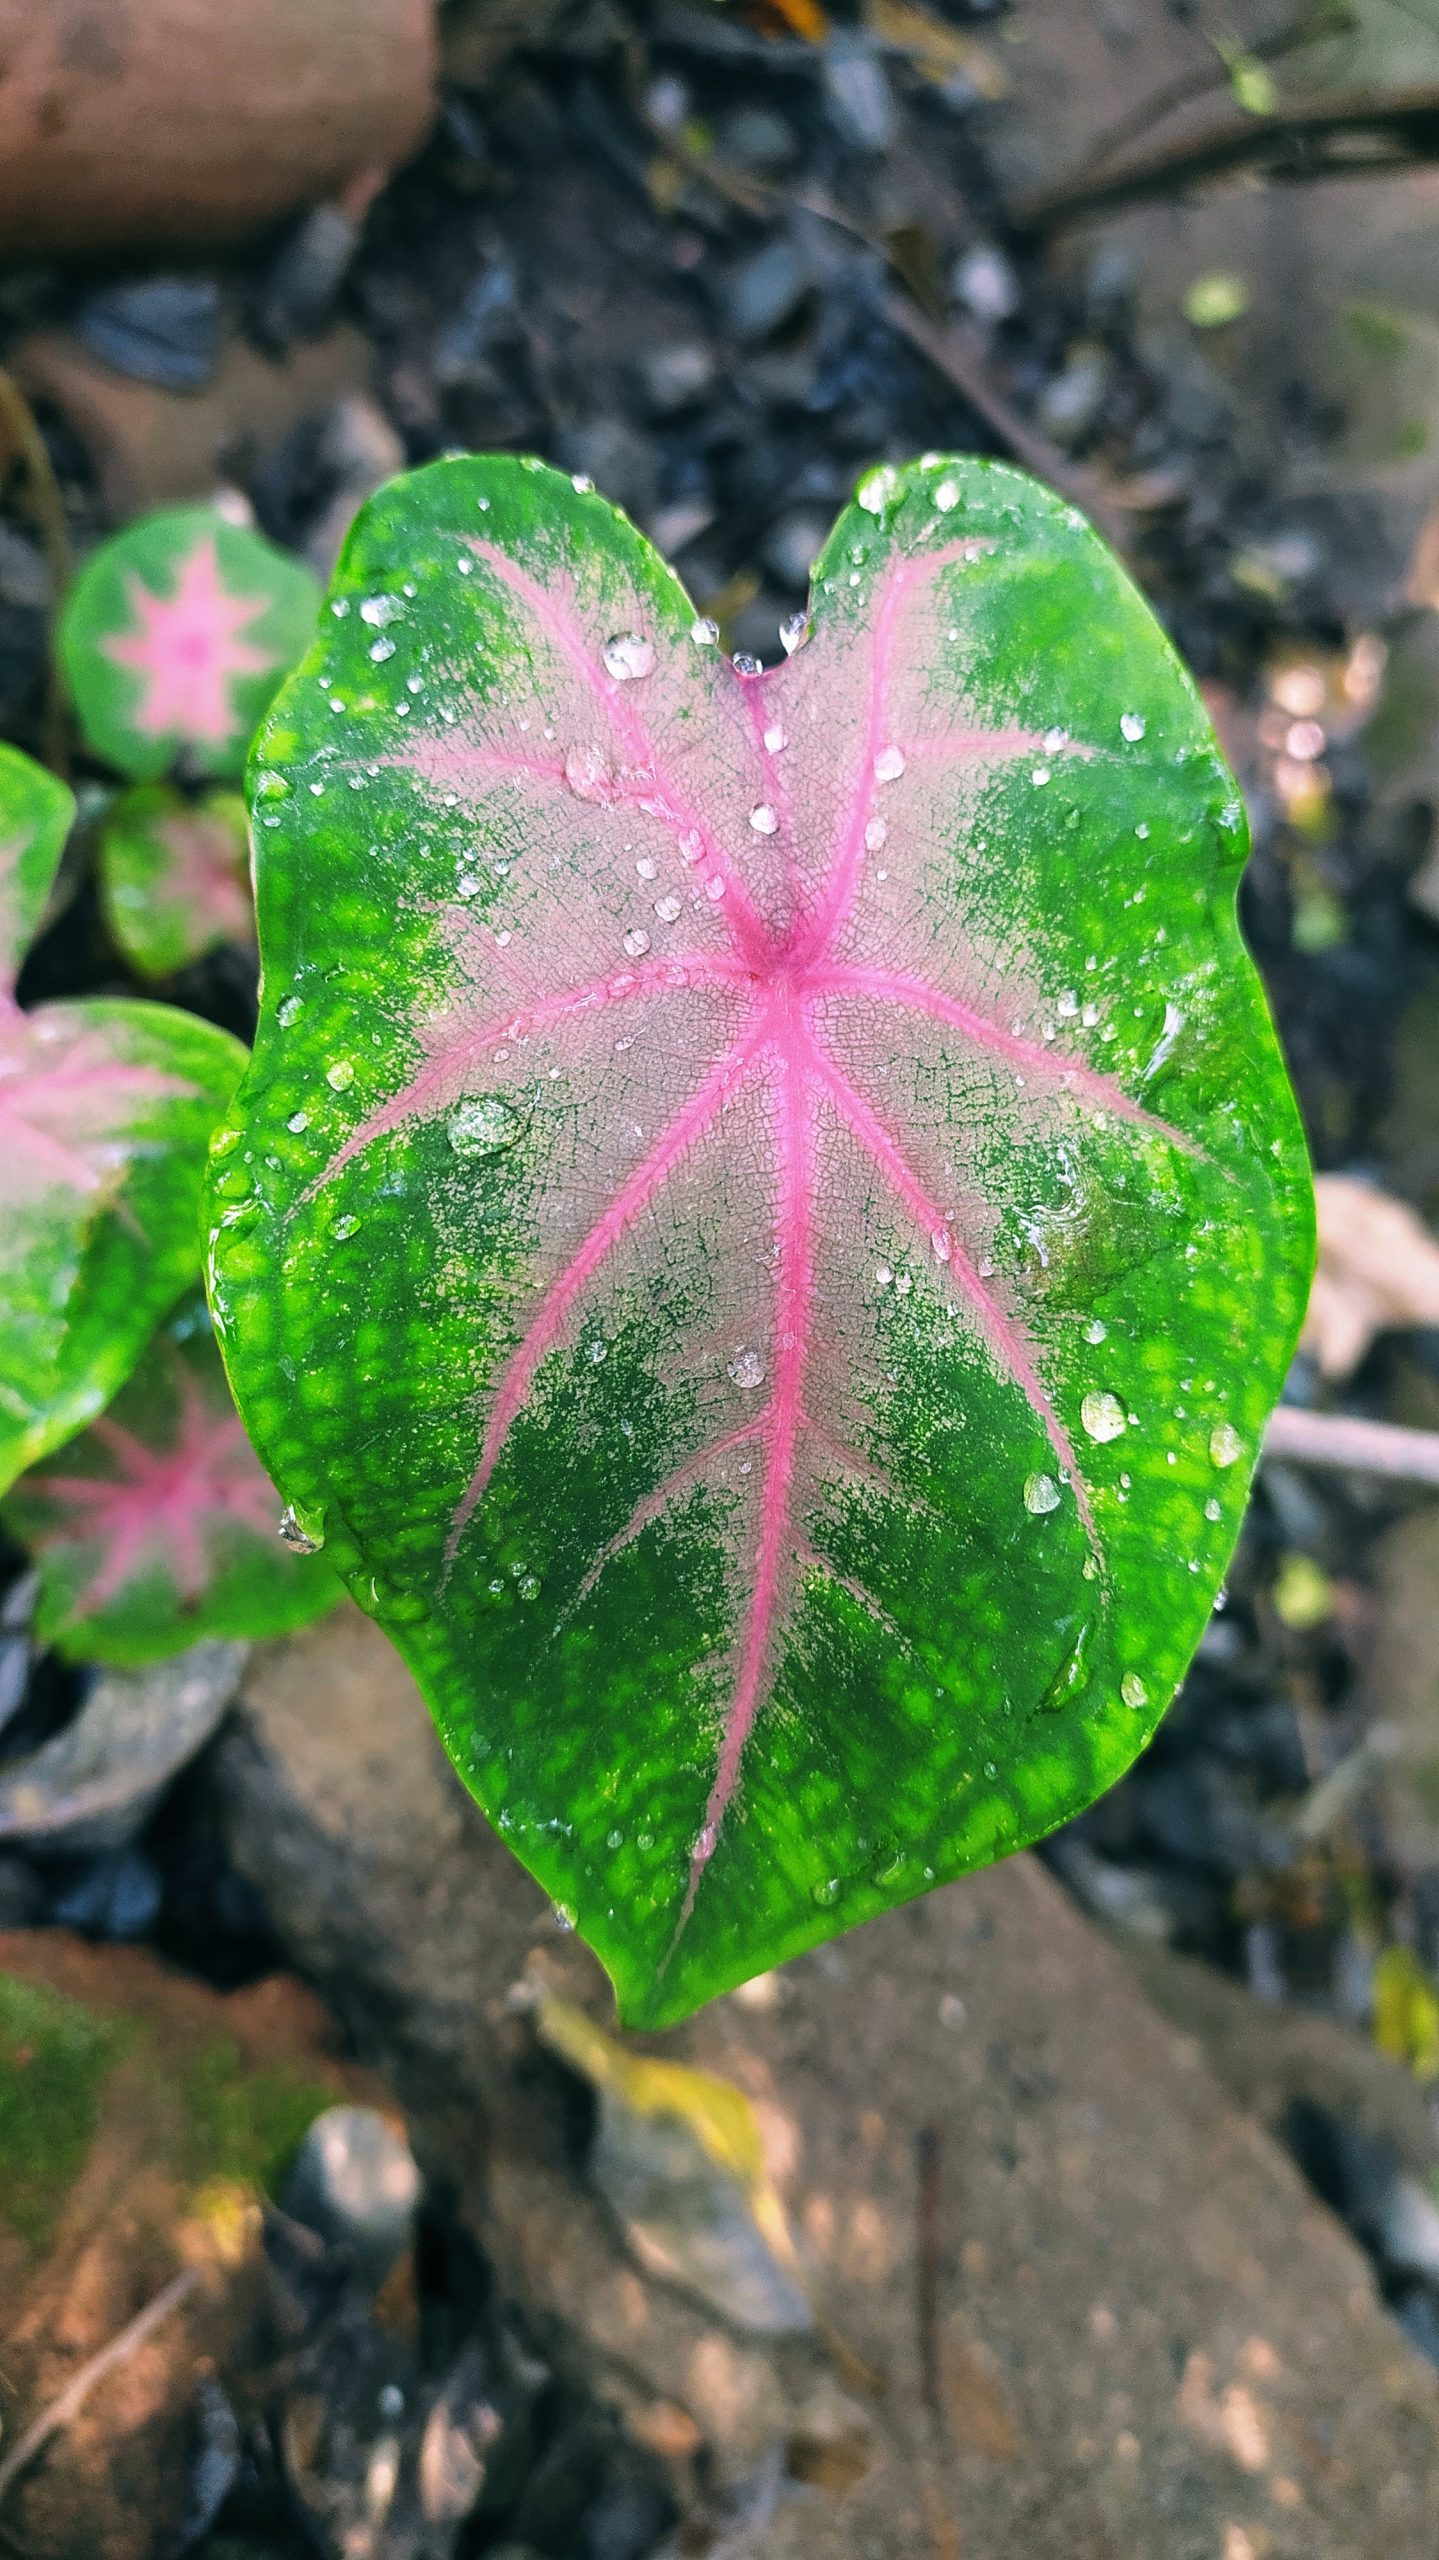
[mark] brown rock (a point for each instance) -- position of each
(1069, 2301)
(139, 123)
(140, 2115)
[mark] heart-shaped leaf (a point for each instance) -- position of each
(175, 875)
(159, 1526)
(105, 1111)
(766, 1217)
(36, 815)
(174, 637)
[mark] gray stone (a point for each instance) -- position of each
(92, 1785)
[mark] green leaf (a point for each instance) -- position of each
(158, 1526)
(174, 637)
(766, 1218)
(36, 815)
(175, 875)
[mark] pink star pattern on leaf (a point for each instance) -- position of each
(160, 1503)
(186, 648)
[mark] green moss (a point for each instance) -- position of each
(247, 2124)
(54, 2057)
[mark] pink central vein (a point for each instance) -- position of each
(740, 916)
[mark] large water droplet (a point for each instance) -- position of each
(1133, 1691)
(763, 819)
(667, 909)
(637, 942)
(344, 1228)
(704, 632)
(484, 1126)
(1102, 1416)
(381, 650)
(1131, 726)
(299, 1541)
(1041, 1494)
(776, 737)
(792, 632)
(297, 1121)
(877, 488)
(340, 1076)
(378, 610)
(289, 1011)
(1225, 1445)
(889, 764)
(947, 496)
(747, 665)
(747, 1369)
(628, 655)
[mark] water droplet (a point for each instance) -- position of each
(991, 1768)
(941, 1244)
(889, 764)
(637, 942)
(596, 1352)
(763, 819)
(271, 786)
(344, 1228)
(776, 737)
(825, 1894)
(528, 1586)
(1102, 1416)
(484, 1125)
(297, 1121)
(1225, 1445)
(744, 664)
(875, 835)
(1213, 1510)
(1096, 1330)
(1131, 726)
(589, 773)
(703, 632)
(792, 631)
(1133, 1691)
(382, 650)
(715, 887)
(378, 610)
(947, 496)
(1040, 776)
(299, 1541)
(1041, 1494)
(628, 655)
(614, 1839)
(340, 1076)
(581, 482)
(877, 488)
(883, 1274)
(667, 909)
(747, 1369)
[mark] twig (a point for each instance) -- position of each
(1188, 87)
(17, 425)
(80, 2385)
(1347, 1440)
(1401, 124)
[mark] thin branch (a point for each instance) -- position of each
(77, 2390)
(1312, 139)
(1347, 1440)
(19, 430)
(1188, 87)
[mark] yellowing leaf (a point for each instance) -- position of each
(938, 51)
(1213, 302)
(1406, 2012)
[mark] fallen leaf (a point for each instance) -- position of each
(1378, 1266)
(938, 52)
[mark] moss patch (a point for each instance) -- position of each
(247, 2124)
(54, 2058)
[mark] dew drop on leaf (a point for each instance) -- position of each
(875, 834)
(776, 738)
(628, 655)
(946, 496)
(744, 664)
(1213, 1510)
(1131, 726)
(340, 1076)
(1041, 1494)
(297, 1121)
(381, 650)
(889, 764)
(378, 610)
(1133, 1691)
(484, 1126)
(637, 942)
(763, 819)
(667, 909)
(1102, 1416)
(1096, 1330)
(298, 1540)
(1225, 1445)
(747, 1369)
(704, 632)
(529, 1586)
(289, 1011)
(792, 631)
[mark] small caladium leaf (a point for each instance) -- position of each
(105, 1110)
(766, 1217)
(175, 636)
(36, 815)
(175, 875)
(158, 1526)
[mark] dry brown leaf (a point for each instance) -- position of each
(1378, 1266)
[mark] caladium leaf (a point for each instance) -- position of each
(105, 1110)
(766, 1217)
(158, 1526)
(36, 815)
(175, 636)
(175, 875)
